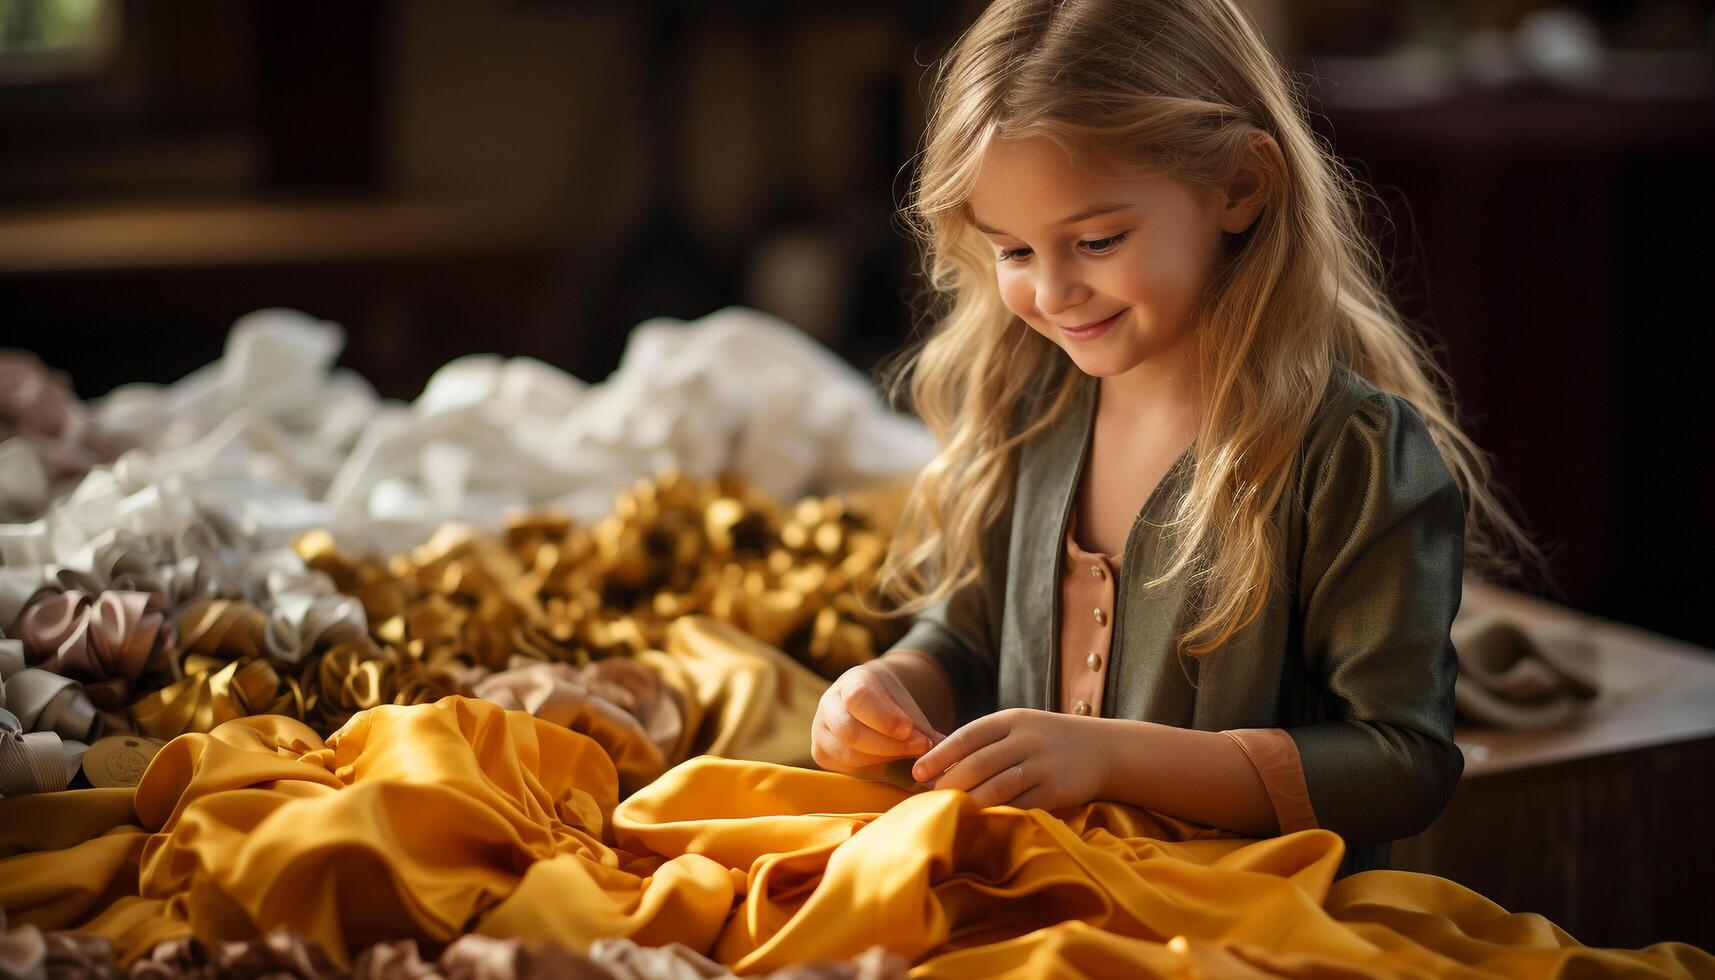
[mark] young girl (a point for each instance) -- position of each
(1202, 508)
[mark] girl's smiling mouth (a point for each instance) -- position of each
(1091, 331)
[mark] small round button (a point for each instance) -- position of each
(1101, 617)
(1081, 707)
(1096, 572)
(1093, 661)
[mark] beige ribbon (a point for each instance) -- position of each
(620, 687)
(46, 723)
(107, 641)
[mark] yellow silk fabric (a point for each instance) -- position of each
(743, 698)
(736, 697)
(429, 821)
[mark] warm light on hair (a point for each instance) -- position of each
(1186, 88)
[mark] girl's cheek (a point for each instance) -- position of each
(1018, 296)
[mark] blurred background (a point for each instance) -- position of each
(536, 176)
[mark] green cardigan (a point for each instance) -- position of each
(1351, 655)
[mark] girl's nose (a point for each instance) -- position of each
(1059, 289)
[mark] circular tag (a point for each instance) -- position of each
(119, 760)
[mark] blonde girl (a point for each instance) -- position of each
(1195, 536)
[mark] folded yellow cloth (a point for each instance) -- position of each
(430, 821)
(744, 699)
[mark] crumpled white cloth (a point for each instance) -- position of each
(113, 533)
(272, 409)
(736, 391)
(276, 436)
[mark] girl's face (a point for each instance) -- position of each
(1108, 269)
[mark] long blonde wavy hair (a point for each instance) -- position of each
(1183, 88)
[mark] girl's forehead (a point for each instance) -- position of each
(1031, 185)
(1032, 161)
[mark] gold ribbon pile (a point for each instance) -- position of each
(227, 673)
(465, 604)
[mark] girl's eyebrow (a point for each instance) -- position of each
(1090, 212)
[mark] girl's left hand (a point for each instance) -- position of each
(1021, 757)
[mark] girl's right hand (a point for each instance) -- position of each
(868, 718)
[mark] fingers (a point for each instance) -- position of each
(832, 754)
(987, 729)
(872, 704)
(983, 764)
(859, 737)
(908, 703)
(919, 722)
(1035, 798)
(1009, 784)
(845, 736)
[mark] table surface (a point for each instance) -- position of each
(1655, 690)
(194, 235)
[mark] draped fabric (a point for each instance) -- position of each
(299, 587)
(429, 821)
(712, 689)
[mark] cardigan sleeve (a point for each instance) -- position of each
(961, 632)
(1379, 584)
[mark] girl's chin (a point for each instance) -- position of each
(1101, 365)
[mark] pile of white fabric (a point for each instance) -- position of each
(273, 439)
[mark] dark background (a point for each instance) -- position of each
(536, 176)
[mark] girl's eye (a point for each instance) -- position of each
(1095, 246)
(1107, 244)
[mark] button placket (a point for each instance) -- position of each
(1082, 690)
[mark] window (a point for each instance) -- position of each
(56, 40)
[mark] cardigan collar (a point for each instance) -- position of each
(1047, 481)
(1049, 471)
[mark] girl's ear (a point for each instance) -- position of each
(1243, 194)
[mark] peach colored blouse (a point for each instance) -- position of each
(1086, 641)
